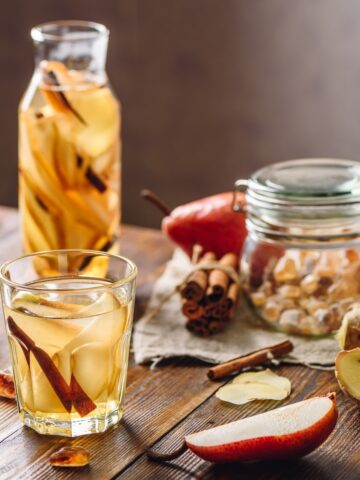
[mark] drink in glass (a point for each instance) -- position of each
(69, 337)
(69, 143)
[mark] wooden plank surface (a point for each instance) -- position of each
(167, 402)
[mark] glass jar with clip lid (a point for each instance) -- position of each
(301, 260)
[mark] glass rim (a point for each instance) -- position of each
(95, 30)
(128, 278)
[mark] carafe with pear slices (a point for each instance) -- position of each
(69, 143)
(69, 338)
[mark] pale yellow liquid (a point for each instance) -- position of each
(87, 336)
(69, 163)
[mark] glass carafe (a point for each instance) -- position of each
(69, 142)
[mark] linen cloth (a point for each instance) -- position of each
(161, 334)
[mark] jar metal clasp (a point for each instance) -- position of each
(240, 186)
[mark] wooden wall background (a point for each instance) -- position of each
(211, 89)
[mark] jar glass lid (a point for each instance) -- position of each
(306, 198)
(308, 178)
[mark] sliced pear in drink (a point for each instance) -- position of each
(77, 233)
(32, 230)
(91, 366)
(100, 111)
(65, 154)
(38, 306)
(91, 349)
(41, 134)
(55, 77)
(44, 397)
(104, 161)
(40, 214)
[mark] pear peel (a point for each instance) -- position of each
(249, 386)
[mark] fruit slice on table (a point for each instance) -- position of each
(249, 386)
(347, 370)
(287, 432)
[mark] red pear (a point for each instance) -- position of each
(209, 222)
(260, 257)
(287, 432)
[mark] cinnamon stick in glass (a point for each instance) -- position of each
(250, 360)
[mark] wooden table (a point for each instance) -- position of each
(167, 402)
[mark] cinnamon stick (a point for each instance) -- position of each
(200, 327)
(206, 326)
(196, 285)
(69, 395)
(192, 310)
(219, 280)
(216, 310)
(250, 360)
(232, 299)
(226, 306)
(82, 403)
(61, 388)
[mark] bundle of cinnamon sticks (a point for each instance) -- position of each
(209, 297)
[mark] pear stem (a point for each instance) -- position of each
(155, 200)
(165, 457)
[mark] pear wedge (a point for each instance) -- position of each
(40, 214)
(347, 371)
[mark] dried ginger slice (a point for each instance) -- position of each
(249, 386)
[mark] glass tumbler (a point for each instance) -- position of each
(69, 328)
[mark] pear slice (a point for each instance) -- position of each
(41, 133)
(264, 376)
(100, 111)
(104, 160)
(45, 307)
(92, 366)
(347, 371)
(77, 233)
(40, 213)
(32, 231)
(94, 107)
(249, 386)
(56, 77)
(349, 332)
(66, 156)
(284, 433)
